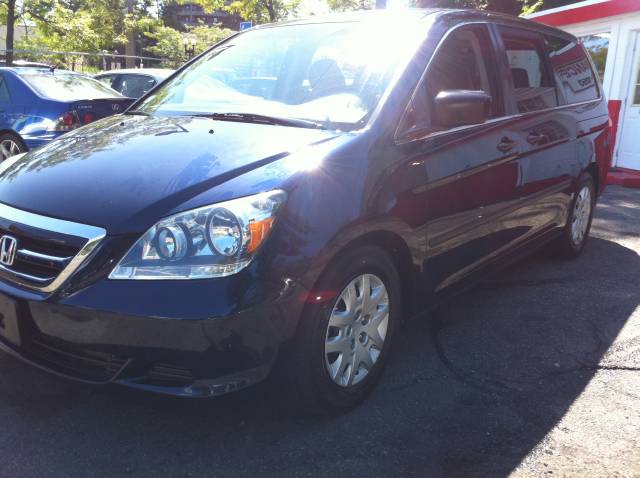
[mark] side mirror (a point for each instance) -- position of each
(461, 107)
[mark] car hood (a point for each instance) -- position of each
(126, 167)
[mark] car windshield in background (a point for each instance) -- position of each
(68, 87)
(333, 74)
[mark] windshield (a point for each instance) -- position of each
(69, 87)
(333, 74)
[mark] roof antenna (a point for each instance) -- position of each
(52, 68)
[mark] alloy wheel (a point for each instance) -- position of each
(8, 148)
(357, 330)
(581, 215)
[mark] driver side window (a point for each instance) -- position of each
(465, 61)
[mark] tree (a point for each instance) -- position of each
(11, 22)
(168, 42)
(64, 30)
(13, 11)
(346, 5)
(264, 11)
(258, 11)
(207, 36)
(91, 26)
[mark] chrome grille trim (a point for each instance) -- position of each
(92, 234)
(44, 257)
(22, 275)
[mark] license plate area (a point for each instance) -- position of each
(9, 328)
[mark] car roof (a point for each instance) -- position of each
(394, 16)
(159, 72)
(397, 16)
(31, 70)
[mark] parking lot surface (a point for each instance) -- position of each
(534, 372)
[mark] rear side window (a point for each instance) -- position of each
(65, 87)
(4, 91)
(572, 70)
(533, 84)
(107, 79)
(134, 86)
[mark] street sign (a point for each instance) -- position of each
(245, 25)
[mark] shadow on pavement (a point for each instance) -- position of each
(470, 391)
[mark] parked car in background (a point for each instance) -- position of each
(133, 83)
(291, 215)
(38, 105)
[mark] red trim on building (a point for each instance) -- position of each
(588, 12)
(629, 178)
(614, 113)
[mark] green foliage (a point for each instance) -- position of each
(258, 11)
(531, 6)
(346, 5)
(168, 42)
(89, 26)
(264, 11)
(207, 36)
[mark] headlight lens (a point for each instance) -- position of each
(211, 241)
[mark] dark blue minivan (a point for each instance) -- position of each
(283, 201)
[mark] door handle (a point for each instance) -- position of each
(536, 138)
(506, 144)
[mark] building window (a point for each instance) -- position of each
(598, 46)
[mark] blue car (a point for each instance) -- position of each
(40, 104)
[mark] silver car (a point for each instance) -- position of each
(133, 83)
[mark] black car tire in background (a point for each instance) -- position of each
(570, 245)
(313, 388)
(10, 145)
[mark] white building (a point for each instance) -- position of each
(610, 30)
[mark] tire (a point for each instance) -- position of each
(575, 234)
(317, 384)
(10, 145)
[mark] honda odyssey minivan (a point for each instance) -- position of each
(283, 201)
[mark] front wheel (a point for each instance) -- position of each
(342, 344)
(574, 237)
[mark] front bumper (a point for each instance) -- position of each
(211, 337)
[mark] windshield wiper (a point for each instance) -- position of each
(261, 119)
(137, 113)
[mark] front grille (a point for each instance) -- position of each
(169, 375)
(74, 361)
(47, 250)
(37, 262)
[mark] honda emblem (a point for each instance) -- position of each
(8, 247)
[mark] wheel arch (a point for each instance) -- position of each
(594, 171)
(400, 253)
(14, 133)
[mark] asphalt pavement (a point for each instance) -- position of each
(535, 372)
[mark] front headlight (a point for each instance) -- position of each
(211, 241)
